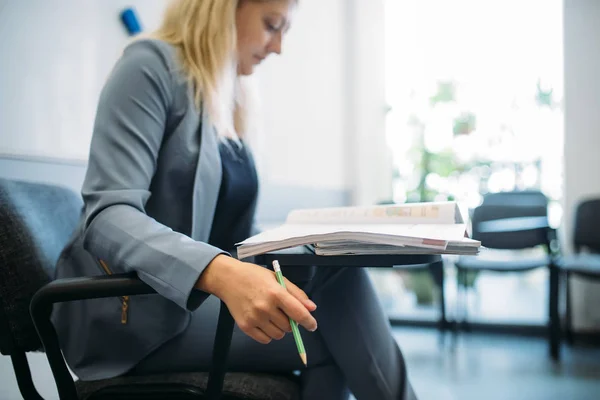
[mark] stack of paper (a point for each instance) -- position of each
(419, 228)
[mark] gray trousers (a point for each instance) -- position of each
(352, 349)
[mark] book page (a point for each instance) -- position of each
(412, 213)
(441, 232)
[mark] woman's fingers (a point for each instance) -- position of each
(272, 331)
(280, 320)
(297, 311)
(260, 336)
(259, 305)
(300, 295)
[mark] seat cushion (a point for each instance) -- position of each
(237, 385)
(585, 264)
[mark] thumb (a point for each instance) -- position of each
(300, 295)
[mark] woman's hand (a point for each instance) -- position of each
(256, 301)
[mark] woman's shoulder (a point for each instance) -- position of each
(150, 50)
(158, 61)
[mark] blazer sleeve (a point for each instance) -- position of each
(130, 124)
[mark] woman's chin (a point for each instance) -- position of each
(245, 70)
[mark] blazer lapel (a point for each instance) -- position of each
(207, 182)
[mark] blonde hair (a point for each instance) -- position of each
(204, 33)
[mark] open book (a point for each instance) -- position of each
(416, 228)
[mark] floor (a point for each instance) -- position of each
(40, 371)
(494, 367)
(478, 366)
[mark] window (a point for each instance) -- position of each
(475, 90)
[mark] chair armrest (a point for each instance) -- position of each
(71, 289)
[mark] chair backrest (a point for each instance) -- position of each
(510, 205)
(516, 198)
(36, 221)
(586, 233)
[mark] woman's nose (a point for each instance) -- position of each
(275, 44)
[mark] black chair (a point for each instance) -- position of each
(516, 198)
(36, 220)
(515, 221)
(585, 262)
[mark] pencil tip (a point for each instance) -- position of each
(303, 357)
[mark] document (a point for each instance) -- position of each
(415, 228)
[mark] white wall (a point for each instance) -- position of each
(370, 162)
(324, 102)
(582, 130)
(303, 101)
(55, 57)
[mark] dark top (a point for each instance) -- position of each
(239, 187)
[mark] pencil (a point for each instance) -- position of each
(293, 323)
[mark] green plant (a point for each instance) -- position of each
(421, 284)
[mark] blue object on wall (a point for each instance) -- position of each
(131, 21)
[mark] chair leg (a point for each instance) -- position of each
(23, 375)
(459, 300)
(437, 271)
(443, 316)
(568, 310)
(554, 317)
(464, 323)
(222, 344)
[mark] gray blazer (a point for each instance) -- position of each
(150, 193)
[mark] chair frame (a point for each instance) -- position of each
(581, 242)
(567, 275)
(71, 289)
(519, 224)
(19, 362)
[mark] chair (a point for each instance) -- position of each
(36, 220)
(585, 262)
(515, 221)
(516, 198)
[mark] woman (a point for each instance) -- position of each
(170, 188)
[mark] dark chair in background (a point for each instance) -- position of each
(585, 262)
(516, 198)
(514, 221)
(36, 220)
